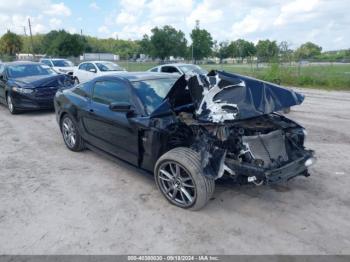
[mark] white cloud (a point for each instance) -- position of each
(258, 19)
(207, 13)
(59, 9)
(55, 23)
(103, 30)
(125, 18)
(94, 6)
(299, 8)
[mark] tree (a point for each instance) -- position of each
(202, 43)
(10, 43)
(242, 49)
(146, 45)
(167, 41)
(221, 50)
(266, 50)
(37, 44)
(285, 52)
(308, 50)
(62, 43)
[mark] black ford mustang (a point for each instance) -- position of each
(189, 131)
(29, 86)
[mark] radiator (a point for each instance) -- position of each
(270, 148)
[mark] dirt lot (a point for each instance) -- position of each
(53, 201)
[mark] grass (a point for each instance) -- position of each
(322, 76)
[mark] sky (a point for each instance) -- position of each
(325, 22)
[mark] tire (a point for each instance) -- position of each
(186, 162)
(10, 106)
(71, 135)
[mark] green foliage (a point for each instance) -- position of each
(242, 48)
(37, 44)
(221, 50)
(202, 43)
(308, 50)
(10, 44)
(145, 45)
(62, 43)
(286, 54)
(124, 48)
(167, 41)
(330, 77)
(266, 50)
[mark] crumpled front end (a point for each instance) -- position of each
(230, 121)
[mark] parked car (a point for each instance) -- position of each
(179, 69)
(59, 65)
(88, 70)
(188, 131)
(29, 85)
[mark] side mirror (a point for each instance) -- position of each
(121, 107)
(92, 70)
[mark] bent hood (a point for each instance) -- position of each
(42, 81)
(221, 96)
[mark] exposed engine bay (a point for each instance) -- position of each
(230, 121)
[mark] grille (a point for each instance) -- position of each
(270, 148)
(45, 92)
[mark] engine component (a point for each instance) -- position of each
(267, 149)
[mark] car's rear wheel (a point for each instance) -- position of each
(178, 176)
(11, 107)
(71, 135)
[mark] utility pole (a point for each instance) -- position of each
(25, 31)
(196, 27)
(31, 36)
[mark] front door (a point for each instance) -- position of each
(109, 130)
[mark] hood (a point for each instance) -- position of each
(221, 96)
(42, 81)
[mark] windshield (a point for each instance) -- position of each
(104, 67)
(62, 63)
(15, 71)
(192, 69)
(152, 92)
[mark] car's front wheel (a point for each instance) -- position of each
(71, 135)
(178, 176)
(11, 107)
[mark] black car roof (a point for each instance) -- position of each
(139, 76)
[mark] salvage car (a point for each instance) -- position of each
(88, 70)
(179, 69)
(59, 65)
(29, 86)
(188, 131)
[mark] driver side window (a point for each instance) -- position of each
(106, 92)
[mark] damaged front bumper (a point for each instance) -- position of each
(298, 167)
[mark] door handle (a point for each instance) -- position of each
(91, 110)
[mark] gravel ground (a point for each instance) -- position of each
(53, 201)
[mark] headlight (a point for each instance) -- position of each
(22, 90)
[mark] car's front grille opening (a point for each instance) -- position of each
(267, 149)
